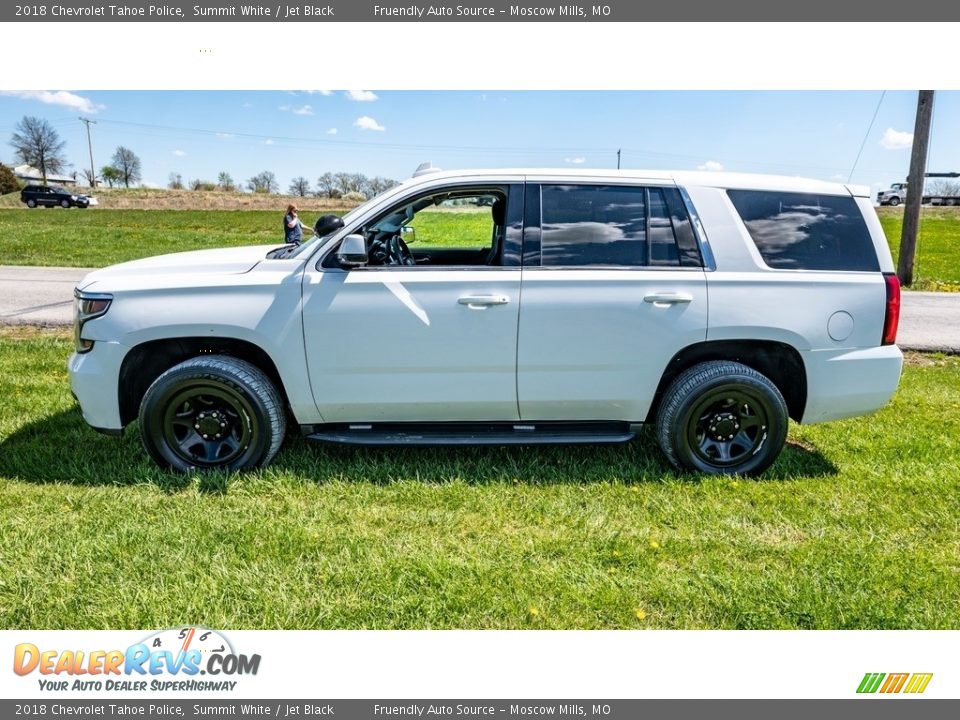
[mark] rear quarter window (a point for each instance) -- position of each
(805, 231)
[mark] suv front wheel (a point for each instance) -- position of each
(723, 418)
(212, 413)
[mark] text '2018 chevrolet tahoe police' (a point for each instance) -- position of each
(509, 307)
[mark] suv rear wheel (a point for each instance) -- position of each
(213, 412)
(31, 203)
(722, 418)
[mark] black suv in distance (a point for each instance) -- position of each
(51, 195)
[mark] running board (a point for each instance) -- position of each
(427, 434)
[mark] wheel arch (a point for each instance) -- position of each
(145, 362)
(780, 362)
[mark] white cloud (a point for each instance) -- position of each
(325, 93)
(360, 95)
(248, 105)
(302, 110)
(711, 166)
(179, 153)
(575, 160)
(332, 131)
(268, 141)
(225, 136)
(896, 140)
(60, 97)
(368, 123)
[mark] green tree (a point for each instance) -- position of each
(8, 181)
(225, 182)
(36, 143)
(110, 175)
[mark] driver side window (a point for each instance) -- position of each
(453, 227)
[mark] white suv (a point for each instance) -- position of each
(509, 307)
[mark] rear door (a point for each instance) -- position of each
(613, 287)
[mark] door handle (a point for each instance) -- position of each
(479, 302)
(666, 299)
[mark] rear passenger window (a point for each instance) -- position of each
(801, 231)
(612, 225)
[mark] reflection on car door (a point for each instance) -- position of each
(618, 292)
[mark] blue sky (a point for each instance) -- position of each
(200, 133)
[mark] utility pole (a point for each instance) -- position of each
(93, 172)
(918, 169)
(618, 158)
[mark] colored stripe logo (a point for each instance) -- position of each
(913, 683)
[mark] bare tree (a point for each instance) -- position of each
(375, 186)
(225, 182)
(176, 181)
(264, 182)
(90, 177)
(36, 143)
(127, 165)
(943, 187)
(327, 185)
(299, 186)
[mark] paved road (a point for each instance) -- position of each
(43, 296)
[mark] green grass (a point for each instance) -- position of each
(937, 263)
(856, 526)
(99, 237)
(96, 238)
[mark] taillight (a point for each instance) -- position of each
(891, 318)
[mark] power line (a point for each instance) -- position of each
(867, 134)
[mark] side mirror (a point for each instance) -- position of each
(352, 252)
(327, 224)
(408, 234)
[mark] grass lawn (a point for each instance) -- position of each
(937, 264)
(96, 238)
(856, 526)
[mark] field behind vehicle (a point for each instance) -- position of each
(100, 236)
(854, 526)
(97, 237)
(937, 264)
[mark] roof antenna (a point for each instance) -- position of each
(425, 169)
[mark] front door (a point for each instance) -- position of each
(427, 332)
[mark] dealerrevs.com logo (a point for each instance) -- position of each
(179, 659)
(890, 683)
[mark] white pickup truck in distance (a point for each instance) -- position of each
(509, 307)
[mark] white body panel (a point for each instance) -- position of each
(593, 334)
(396, 344)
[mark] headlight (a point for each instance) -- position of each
(87, 306)
(73, 197)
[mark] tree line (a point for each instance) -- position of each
(37, 143)
(351, 186)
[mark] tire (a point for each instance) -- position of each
(31, 203)
(722, 418)
(894, 201)
(65, 204)
(212, 413)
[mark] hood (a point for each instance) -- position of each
(222, 261)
